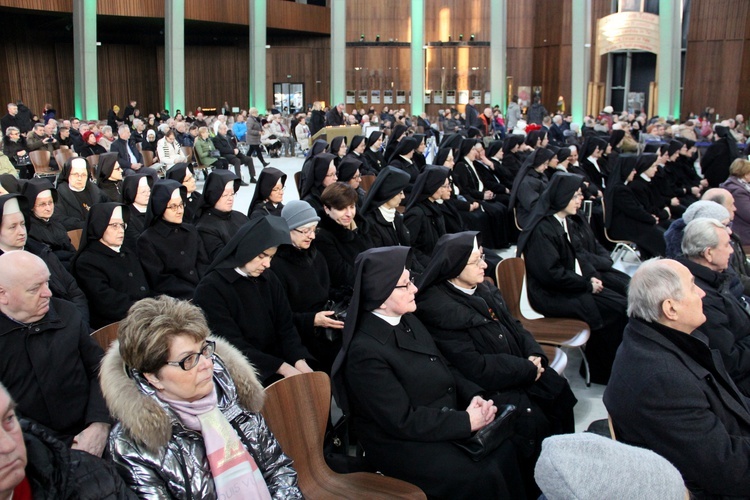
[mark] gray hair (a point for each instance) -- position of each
(653, 283)
(122, 127)
(137, 122)
(700, 235)
(163, 128)
(12, 129)
(106, 128)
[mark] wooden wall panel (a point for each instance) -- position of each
(218, 11)
(129, 72)
(297, 17)
(520, 42)
(455, 17)
(552, 50)
(457, 68)
(308, 60)
(216, 74)
(380, 68)
(46, 5)
(391, 19)
(132, 8)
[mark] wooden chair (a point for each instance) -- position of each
(297, 180)
(187, 152)
(93, 162)
(148, 158)
(296, 409)
(558, 360)
(562, 332)
(622, 247)
(367, 182)
(40, 159)
(75, 237)
(105, 335)
(611, 427)
(200, 167)
(515, 219)
(62, 155)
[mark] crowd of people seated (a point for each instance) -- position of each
(387, 286)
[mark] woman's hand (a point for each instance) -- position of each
(287, 370)
(473, 206)
(539, 368)
(21, 153)
(302, 366)
(481, 412)
(596, 285)
(489, 195)
(323, 320)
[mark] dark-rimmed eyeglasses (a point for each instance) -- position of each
(410, 282)
(191, 360)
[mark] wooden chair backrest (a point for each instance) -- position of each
(40, 159)
(75, 237)
(509, 275)
(187, 152)
(148, 157)
(297, 178)
(93, 162)
(367, 182)
(61, 155)
(105, 335)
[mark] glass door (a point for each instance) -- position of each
(289, 98)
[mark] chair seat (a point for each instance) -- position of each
(558, 360)
(560, 331)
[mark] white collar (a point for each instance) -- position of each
(645, 177)
(241, 272)
(389, 214)
(391, 320)
(467, 291)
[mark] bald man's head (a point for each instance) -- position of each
(24, 289)
(723, 197)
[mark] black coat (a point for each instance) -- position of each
(266, 208)
(588, 248)
(216, 228)
(715, 163)
(173, 258)
(426, 225)
(374, 161)
(69, 207)
(531, 188)
(112, 190)
(317, 121)
(632, 221)
(136, 225)
(597, 178)
(120, 146)
(194, 201)
(727, 325)
(385, 234)
(340, 247)
(55, 471)
(51, 369)
(408, 167)
(404, 421)
(112, 281)
(53, 234)
(253, 314)
(672, 395)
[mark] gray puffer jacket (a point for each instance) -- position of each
(158, 457)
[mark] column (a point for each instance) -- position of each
(174, 56)
(258, 55)
(578, 61)
(417, 57)
(338, 52)
(668, 60)
(498, 52)
(86, 93)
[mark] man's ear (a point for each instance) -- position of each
(3, 295)
(668, 310)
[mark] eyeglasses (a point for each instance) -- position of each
(191, 360)
(308, 231)
(45, 204)
(176, 207)
(228, 195)
(478, 261)
(118, 225)
(278, 189)
(410, 282)
(357, 178)
(331, 175)
(78, 176)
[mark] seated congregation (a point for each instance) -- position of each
(389, 287)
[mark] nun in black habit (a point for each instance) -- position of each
(217, 222)
(269, 194)
(423, 217)
(44, 225)
(512, 156)
(418, 158)
(397, 135)
(373, 156)
(592, 162)
(357, 148)
(498, 169)
(338, 148)
(185, 175)
(318, 147)
(171, 251)
(646, 189)
(10, 184)
(475, 331)
(109, 176)
(561, 284)
(76, 193)
(108, 273)
(407, 421)
(322, 175)
(136, 190)
(529, 185)
(719, 155)
(349, 171)
(626, 216)
(249, 306)
(402, 159)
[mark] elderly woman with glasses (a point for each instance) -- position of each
(188, 409)
(409, 405)
(44, 225)
(216, 220)
(171, 251)
(76, 194)
(269, 194)
(108, 273)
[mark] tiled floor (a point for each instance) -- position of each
(589, 407)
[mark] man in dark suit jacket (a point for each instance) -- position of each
(129, 158)
(670, 393)
(335, 116)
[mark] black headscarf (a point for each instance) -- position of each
(616, 137)
(404, 147)
(624, 165)
(97, 221)
(644, 162)
(178, 171)
(493, 148)
(590, 145)
(390, 182)
(536, 158)
(429, 181)
(356, 141)
(254, 237)
(336, 144)
(465, 148)
(130, 186)
(23, 204)
(449, 258)
(534, 137)
(560, 190)
(451, 141)
(10, 183)
(724, 133)
(563, 154)
(511, 142)
(374, 136)
(161, 194)
(318, 147)
(106, 166)
(267, 180)
(32, 187)
(441, 156)
(674, 146)
(347, 168)
(67, 167)
(474, 133)
(377, 272)
(398, 131)
(318, 172)
(214, 187)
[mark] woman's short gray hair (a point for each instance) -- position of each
(654, 282)
(700, 234)
(147, 331)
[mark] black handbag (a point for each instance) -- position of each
(339, 314)
(214, 153)
(23, 161)
(489, 437)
